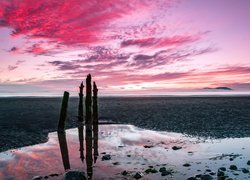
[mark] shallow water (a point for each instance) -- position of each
(125, 144)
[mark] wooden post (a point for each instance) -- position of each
(88, 125)
(95, 121)
(80, 122)
(80, 106)
(88, 103)
(63, 113)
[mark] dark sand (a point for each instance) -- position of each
(26, 121)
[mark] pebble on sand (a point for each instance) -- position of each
(176, 147)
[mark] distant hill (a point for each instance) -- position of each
(219, 88)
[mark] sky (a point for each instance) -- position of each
(132, 47)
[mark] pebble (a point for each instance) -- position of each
(244, 170)
(186, 165)
(233, 167)
(106, 157)
(248, 162)
(138, 175)
(37, 178)
(176, 147)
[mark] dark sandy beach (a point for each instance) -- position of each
(26, 121)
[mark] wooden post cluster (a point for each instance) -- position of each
(91, 125)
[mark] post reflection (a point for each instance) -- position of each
(81, 141)
(89, 157)
(64, 150)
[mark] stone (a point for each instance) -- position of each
(191, 178)
(124, 173)
(176, 147)
(220, 173)
(206, 177)
(148, 146)
(106, 157)
(162, 169)
(244, 170)
(150, 170)
(186, 165)
(233, 167)
(222, 169)
(165, 173)
(248, 162)
(74, 175)
(53, 175)
(138, 175)
(37, 178)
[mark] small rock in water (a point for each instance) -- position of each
(186, 165)
(222, 169)
(176, 147)
(138, 175)
(53, 175)
(220, 173)
(162, 169)
(106, 157)
(76, 175)
(191, 178)
(231, 159)
(248, 163)
(116, 163)
(233, 167)
(165, 173)
(244, 170)
(206, 177)
(208, 170)
(37, 178)
(150, 170)
(124, 173)
(148, 146)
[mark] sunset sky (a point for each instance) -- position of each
(151, 47)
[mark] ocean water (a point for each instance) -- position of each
(25, 121)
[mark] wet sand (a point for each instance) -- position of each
(132, 151)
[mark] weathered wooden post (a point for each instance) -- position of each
(61, 131)
(80, 106)
(88, 102)
(80, 122)
(63, 113)
(95, 121)
(88, 125)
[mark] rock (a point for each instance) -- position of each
(231, 159)
(186, 165)
(162, 169)
(233, 167)
(220, 173)
(222, 169)
(148, 146)
(212, 173)
(74, 175)
(128, 155)
(124, 173)
(208, 170)
(37, 178)
(138, 175)
(53, 175)
(150, 170)
(176, 147)
(248, 162)
(198, 176)
(116, 163)
(165, 173)
(191, 178)
(106, 157)
(244, 170)
(206, 177)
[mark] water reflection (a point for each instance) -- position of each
(91, 139)
(81, 141)
(64, 149)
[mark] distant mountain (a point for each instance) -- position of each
(219, 88)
